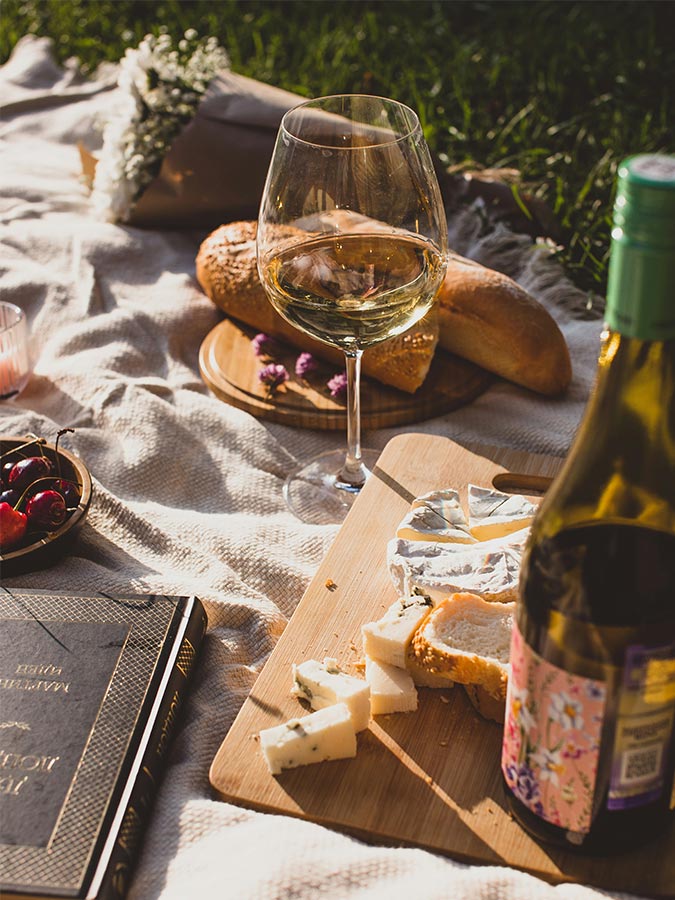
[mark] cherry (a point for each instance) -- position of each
(70, 492)
(46, 509)
(13, 526)
(6, 469)
(10, 497)
(26, 471)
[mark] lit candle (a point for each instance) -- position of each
(14, 357)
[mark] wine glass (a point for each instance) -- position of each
(351, 249)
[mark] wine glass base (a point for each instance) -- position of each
(314, 493)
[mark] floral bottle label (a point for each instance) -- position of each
(552, 738)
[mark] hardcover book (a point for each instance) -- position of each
(90, 691)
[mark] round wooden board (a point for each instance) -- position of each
(230, 368)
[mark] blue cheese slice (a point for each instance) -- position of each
(493, 514)
(490, 569)
(392, 689)
(324, 684)
(322, 735)
(436, 516)
(388, 638)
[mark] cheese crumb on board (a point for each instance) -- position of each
(387, 639)
(323, 684)
(392, 690)
(322, 735)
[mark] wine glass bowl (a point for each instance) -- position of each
(351, 246)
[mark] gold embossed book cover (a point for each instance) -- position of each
(90, 691)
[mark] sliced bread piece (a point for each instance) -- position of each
(469, 639)
(489, 707)
(424, 675)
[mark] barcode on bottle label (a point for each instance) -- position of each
(639, 765)
(645, 727)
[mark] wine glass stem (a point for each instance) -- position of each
(354, 473)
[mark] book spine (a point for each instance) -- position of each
(115, 882)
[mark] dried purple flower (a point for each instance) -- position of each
(273, 375)
(305, 364)
(263, 345)
(337, 385)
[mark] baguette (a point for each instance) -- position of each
(468, 640)
(480, 314)
(227, 272)
(488, 318)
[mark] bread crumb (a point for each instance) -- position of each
(444, 699)
(330, 584)
(443, 743)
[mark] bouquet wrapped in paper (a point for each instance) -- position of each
(188, 142)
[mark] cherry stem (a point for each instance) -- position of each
(56, 446)
(36, 440)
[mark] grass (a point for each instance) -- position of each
(560, 91)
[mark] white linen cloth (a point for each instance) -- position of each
(188, 489)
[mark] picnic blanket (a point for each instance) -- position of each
(187, 490)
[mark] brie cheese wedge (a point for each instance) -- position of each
(493, 514)
(436, 516)
(490, 569)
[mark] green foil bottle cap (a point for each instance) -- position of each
(641, 277)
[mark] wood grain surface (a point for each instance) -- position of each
(429, 778)
(230, 368)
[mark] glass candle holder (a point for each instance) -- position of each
(15, 366)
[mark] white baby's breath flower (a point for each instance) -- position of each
(160, 89)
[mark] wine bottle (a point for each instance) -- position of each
(589, 738)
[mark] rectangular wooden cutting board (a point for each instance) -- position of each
(429, 778)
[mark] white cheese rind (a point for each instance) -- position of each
(392, 690)
(490, 569)
(387, 639)
(323, 684)
(493, 514)
(322, 735)
(423, 523)
(436, 516)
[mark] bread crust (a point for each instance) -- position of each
(227, 272)
(489, 707)
(425, 675)
(465, 667)
(490, 319)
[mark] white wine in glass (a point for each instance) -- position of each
(351, 249)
